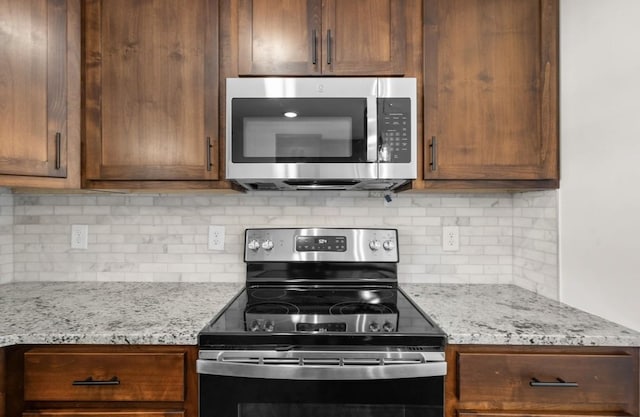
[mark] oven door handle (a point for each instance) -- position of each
(319, 372)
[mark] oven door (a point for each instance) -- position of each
(316, 386)
(283, 128)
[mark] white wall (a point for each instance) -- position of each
(600, 158)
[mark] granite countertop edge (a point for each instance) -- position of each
(174, 313)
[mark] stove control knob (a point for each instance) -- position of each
(267, 245)
(374, 327)
(255, 326)
(387, 327)
(374, 245)
(254, 245)
(268, 326)
(389, 245)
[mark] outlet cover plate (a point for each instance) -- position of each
(216, 238)
(79, 236)
(451, 238)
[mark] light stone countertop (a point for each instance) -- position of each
(174, 313)
(109, 312)
(510, 315)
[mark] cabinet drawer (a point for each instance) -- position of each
(104, 413)
(520, 380)
(73, 376)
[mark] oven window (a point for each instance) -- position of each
(224, 396)
(293, 130)
(336, 410)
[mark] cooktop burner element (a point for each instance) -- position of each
(356, 307)
(272, 308)
(321, 287)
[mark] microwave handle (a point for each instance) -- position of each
(372, 129)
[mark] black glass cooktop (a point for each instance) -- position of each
(296, 316)
(320, 301)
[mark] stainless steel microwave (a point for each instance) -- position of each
(321, 133)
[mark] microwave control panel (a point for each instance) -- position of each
(394, 130)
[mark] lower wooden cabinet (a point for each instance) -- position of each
(109, 380)
(103, 413)
(492, 381)
(2, 383)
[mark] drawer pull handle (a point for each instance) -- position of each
(93, 382)
(559, 382)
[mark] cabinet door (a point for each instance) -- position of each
(363, 37)
(491, 89)
(151, 90)
(279, 37)
(33, 87)
(311, 37)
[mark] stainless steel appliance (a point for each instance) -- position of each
(321, 329)
(321, 133)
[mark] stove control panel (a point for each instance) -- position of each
(321, 245)
(354, 323)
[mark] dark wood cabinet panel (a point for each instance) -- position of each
(279, 37)
(103, 376)
(491, 90)
(39, 92)
(151, 96)
(354, 45)
(3, 383)
(312, 37)
(154, 381)
(520, 379)
(512, 381)
(103, 413)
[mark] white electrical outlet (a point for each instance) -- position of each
(450, 238)
(216, 237)
(79, 236)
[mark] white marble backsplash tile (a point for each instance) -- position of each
(6, 236)
(163, 238)
(535, 242)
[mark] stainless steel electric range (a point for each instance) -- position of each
(321, 329)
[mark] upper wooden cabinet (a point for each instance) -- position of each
(491, 91)
(151, 91)
(315, 37)
(40, 93)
